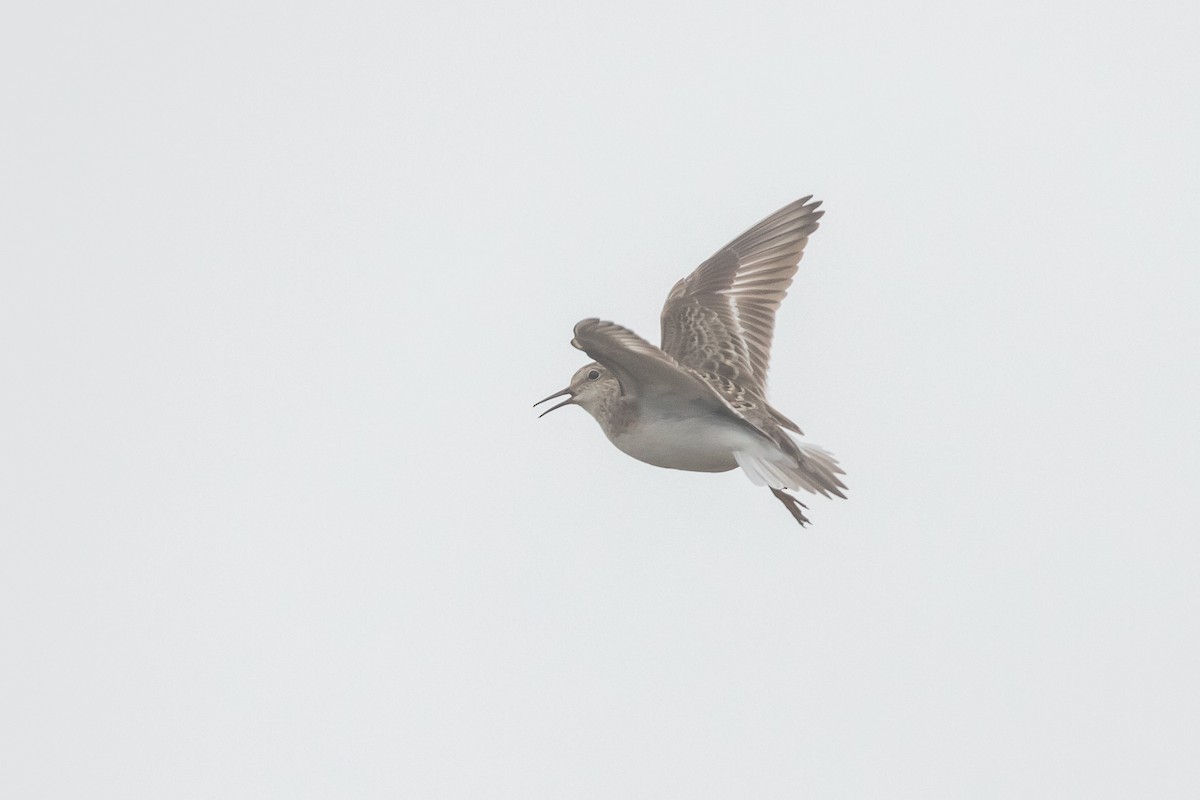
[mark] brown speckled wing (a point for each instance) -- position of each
(720, 319)
(644, 371)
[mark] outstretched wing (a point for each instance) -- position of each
(720, 319)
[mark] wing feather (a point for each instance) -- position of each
(720, 320)
(644, 371)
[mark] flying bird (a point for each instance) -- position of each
(699, 402)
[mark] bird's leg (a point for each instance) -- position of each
(793, 505)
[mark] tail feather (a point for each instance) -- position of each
(750, 466)
(814, 470)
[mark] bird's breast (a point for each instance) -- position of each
(697, 444)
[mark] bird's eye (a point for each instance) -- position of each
(593, 375)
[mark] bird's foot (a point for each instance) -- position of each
(793, 505)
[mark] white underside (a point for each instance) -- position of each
(704, 445)
(694, 444)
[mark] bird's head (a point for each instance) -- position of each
(592, 386)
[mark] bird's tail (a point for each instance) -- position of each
(810, 468)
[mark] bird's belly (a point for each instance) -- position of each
(698, 445)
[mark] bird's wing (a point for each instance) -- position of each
(645, 372)
(720, 319)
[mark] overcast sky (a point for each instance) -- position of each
(281, 282)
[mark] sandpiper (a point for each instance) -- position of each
(699, 402)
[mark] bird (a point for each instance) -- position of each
(698, 402)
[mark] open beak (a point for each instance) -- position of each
(566, 402)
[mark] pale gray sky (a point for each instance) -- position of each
(281, 283)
